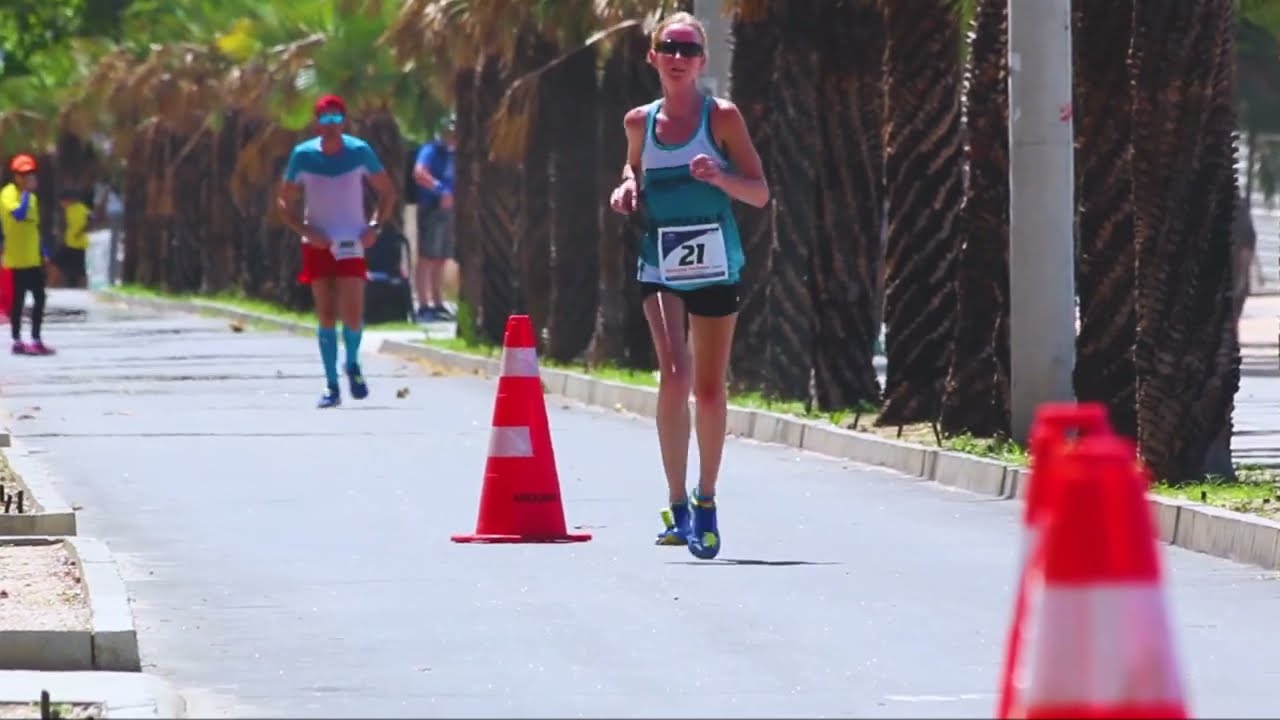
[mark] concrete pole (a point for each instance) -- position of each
(1042, 318)
(715, 78)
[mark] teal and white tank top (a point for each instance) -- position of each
(692, 238)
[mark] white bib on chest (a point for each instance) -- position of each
(692, 254)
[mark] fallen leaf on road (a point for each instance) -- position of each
(25, 416)
(402, 393)
(236, 326)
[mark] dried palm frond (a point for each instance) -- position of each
(518, 111)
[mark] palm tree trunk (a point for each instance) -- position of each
(1104, 369)
(379, 128)
(575, 206)
(534, 239)
(499, 209)
(924, 177)
(627, 81)
(223, 244)
(466, 196)
(1187, 355)
(795, 186)
(976, 398)
(751, 69)
(847, 252)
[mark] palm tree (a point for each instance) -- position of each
(756, 40)
(976, 397)
(847, 249)
(773, 349)
(794, 181)
(924, 179)
(1187, 355)
(1104, 369)
(621, 334)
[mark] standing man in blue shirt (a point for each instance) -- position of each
(433, 173)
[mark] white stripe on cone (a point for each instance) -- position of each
(1100, 646)
(519, 362)
(510, 442)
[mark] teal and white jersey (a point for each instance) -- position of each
(334, 189)
(692, 239)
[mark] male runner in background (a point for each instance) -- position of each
(330, 169)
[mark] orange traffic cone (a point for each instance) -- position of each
(520, 501)
(1100, 644)
(1053, 428)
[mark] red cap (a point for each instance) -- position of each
(330, 103)
(22, 163)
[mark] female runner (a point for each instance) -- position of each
(689, 156)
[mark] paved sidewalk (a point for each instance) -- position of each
(1256, 439)
(289, 562)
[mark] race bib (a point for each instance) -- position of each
(692, 253)
(346, 248)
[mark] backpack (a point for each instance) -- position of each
(383, 258)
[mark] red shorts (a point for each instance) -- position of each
(318, 263)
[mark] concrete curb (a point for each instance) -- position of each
(51, 514)
(111, 641)
(1193, 526)
(123, 695)
(199, 307)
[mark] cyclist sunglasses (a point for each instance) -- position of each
(330, 119)
(683, 48)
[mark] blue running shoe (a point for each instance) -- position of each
(677, 521)
(704, 536)
(332, 397)
(359, 390)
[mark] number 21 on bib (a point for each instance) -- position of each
(692, 253)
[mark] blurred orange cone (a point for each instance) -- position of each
(1099, 644)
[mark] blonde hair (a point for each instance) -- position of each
(680, 18)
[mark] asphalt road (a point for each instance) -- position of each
(286, 561)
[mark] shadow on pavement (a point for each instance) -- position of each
(768, 563)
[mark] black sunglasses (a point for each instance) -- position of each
(683, 48)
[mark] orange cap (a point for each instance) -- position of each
(22, 163)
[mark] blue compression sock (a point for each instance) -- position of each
(351, 340)
(329, 353)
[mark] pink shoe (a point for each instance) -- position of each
(38, 348)
(19, 348)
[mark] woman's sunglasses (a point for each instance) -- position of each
(330, 119)
(683, 48)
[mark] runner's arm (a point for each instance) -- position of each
(289, 196)
(386, 190)
(289, 201)
(745, 182)
(381, 183)
(634, 124)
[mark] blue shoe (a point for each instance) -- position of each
(677, 521)
(704, 537)
(359, 390)
(331, 398)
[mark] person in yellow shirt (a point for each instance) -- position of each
(22, 254)
(71, 258)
